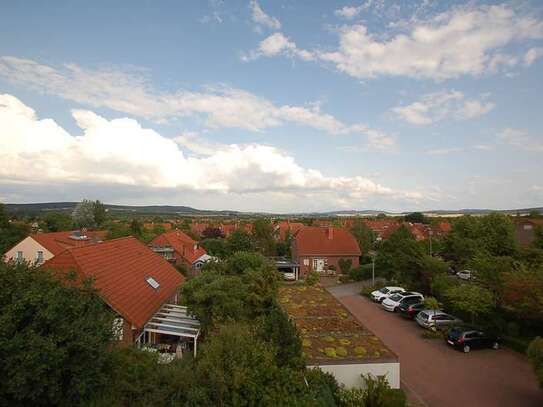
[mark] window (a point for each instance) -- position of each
(153, 283)
(39, 257)
(528, 227)
(19, 256)
(306, 262)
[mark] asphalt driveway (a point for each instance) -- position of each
(438, 376)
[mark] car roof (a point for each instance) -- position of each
(394, 288)
(434, 312)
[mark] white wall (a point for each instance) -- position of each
(349, 374)
(30, 248)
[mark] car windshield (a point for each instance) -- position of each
(384, 290)
(423, 315)
(396, 297)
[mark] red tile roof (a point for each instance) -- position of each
(183, 245)
(312, 240)
(382, 227)
(120, 268)
(57, 242)
(286, 226)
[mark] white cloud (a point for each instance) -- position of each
(438, 106)
(122, 152)
(261, 18)
(130, 92)
(444, 151)
(467, 40)
(532, 55)
(348, 11)
(521, 139)
(278, 44)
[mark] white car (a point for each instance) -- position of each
(465, 274)
(385, 292)
(394, 301)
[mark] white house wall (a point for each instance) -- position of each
(349, 374)
(30, 249)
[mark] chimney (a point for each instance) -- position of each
(330, 232)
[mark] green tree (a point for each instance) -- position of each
(58, 221)
(83, 214)
(214, 247)
(53, 339)
(136, 228)
(363, 235)
(415, 217)
(11, 233)
(471, 299)
(100, 213)
(239, 241)
(262, 235)
(523, 293)
(238, 368)
(431, 303)
(345, 265)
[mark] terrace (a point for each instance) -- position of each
(333, 339)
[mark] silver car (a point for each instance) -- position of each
(435, 319)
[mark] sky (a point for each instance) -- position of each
(278, 106)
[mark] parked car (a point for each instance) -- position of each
(410, 310)
(435, 319)
(465, 275)
(385, 292)
(468, 338)
(393, 302)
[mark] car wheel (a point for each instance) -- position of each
(495, 346)
(466, 348)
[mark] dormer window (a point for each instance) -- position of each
(152, 282)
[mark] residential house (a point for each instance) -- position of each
(382, 228)
(320, 248)
(182, 247)
(40, 247)
(525, 229)
(136, 283)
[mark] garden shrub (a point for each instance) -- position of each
(312, 278)
(345, 265)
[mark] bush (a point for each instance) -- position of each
(535, 354)
(312, 278)
(345, 265)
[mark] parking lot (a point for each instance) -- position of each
(438, 376)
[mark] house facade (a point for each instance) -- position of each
(525, 230)
(131, 279)
(321, 248)
(40, 247)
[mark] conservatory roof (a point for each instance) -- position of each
(174, 320)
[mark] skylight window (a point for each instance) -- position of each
(153, 283)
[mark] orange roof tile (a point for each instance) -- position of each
(183, 245)
(312, 240)
(120, 268)
(57, 242)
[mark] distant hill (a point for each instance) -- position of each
(37, 208)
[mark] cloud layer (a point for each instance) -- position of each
(130, 92)
(439, 106)
(121, 151)
(467, 40)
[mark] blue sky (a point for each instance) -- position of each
(273, 105)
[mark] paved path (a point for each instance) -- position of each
(439, 375)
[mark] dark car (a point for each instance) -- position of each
(410, 309)
(468, 338)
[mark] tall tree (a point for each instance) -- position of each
(58, 221)
(83, 214)
(415, 217)
(100, 213)
(363, 235)
(10, 232)
(53, 339)
(471, 299)
(239, 241)
(262, 235)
